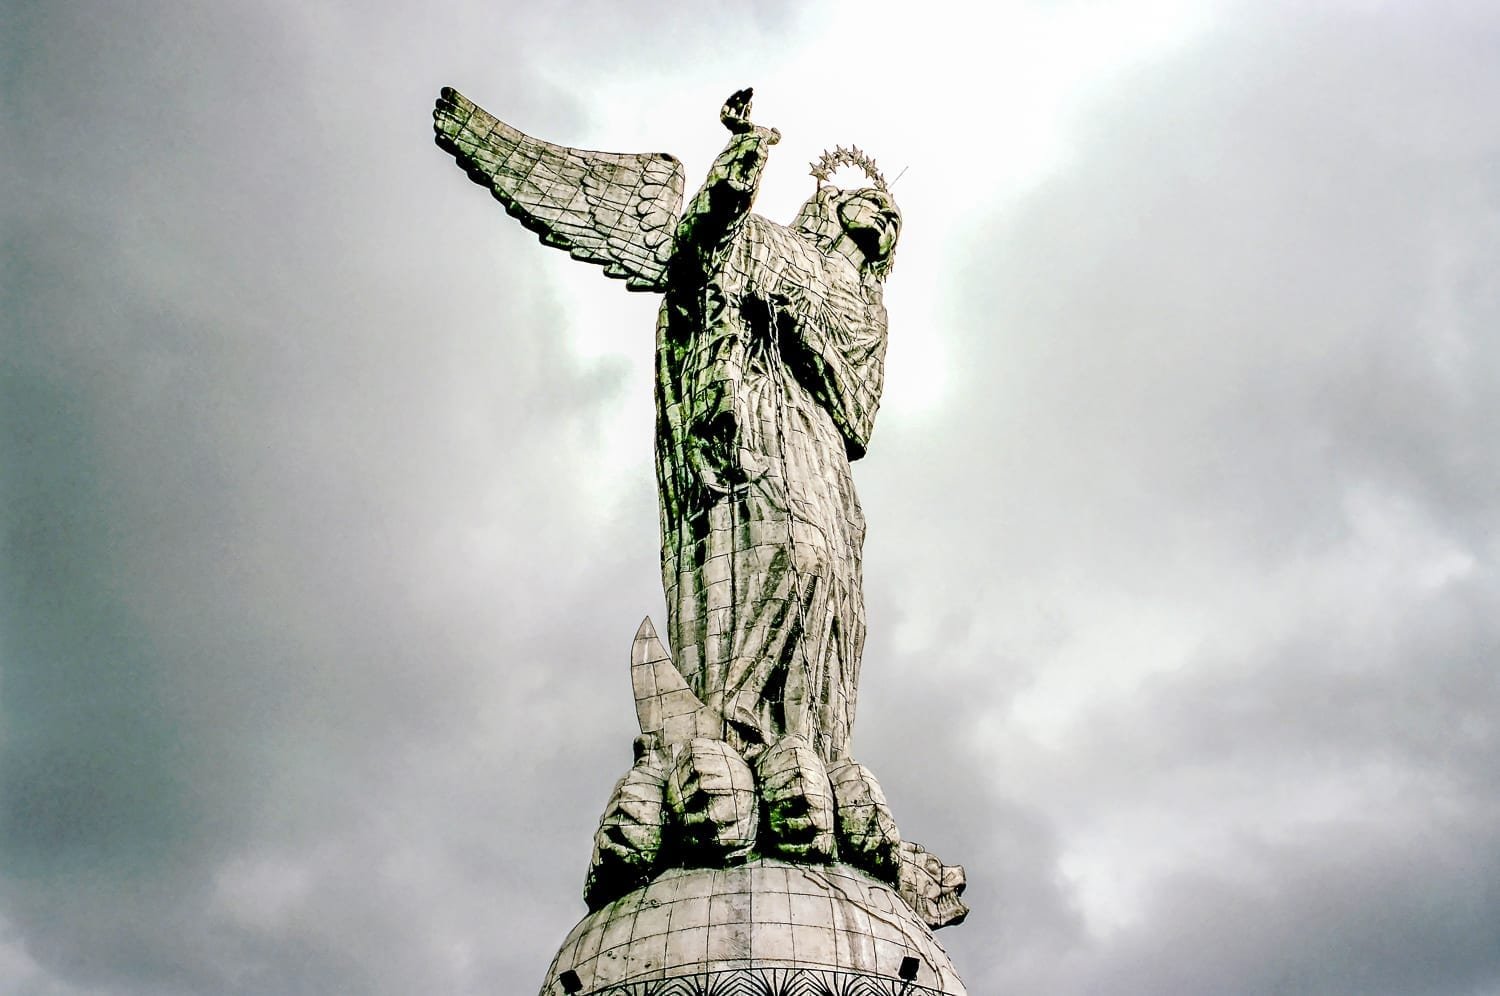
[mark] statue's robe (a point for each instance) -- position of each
(769, 370)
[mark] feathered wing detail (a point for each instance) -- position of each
(619, 211)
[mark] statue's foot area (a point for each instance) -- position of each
(763, 927)
(700, 804)
(693, 799)
(797, 801)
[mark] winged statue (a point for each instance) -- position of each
(770, 352)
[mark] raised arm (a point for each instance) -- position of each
(715, 213)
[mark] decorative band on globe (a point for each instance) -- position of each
(769, 982)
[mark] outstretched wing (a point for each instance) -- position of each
(619, 211)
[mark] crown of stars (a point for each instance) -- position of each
(841, 156)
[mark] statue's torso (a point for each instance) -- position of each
(737, 353)
(761, 528)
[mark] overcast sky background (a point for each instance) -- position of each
(329, 513)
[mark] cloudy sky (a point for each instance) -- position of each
(328, 511)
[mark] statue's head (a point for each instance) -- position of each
(872, 221)
(865, 220)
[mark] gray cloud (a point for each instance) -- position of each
(1232, 372)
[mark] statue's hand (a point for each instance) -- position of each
(736, 116)
(736, 111)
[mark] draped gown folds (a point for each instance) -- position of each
(770, 358)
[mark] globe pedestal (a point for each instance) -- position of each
(765, 928)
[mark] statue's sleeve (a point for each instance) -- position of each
(839, 355)
(718, 210)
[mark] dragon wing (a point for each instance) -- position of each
(619, 211)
